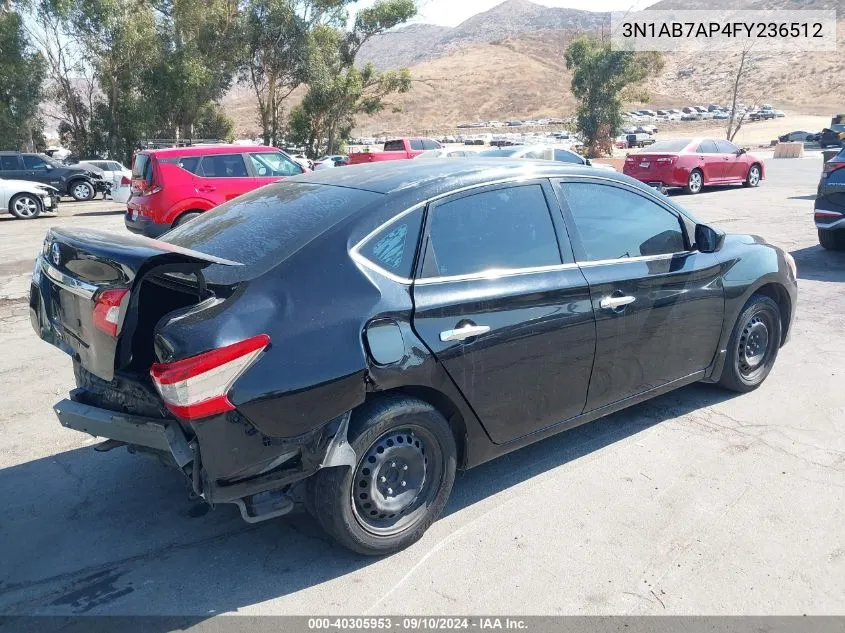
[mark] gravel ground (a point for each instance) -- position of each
(698, 502)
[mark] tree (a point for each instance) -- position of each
(213, 123)
(338, 91)
(744, 70)
(601, 80)
(21, 79)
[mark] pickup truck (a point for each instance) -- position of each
(400, 149)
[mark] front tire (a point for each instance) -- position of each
(695, 182)
(405, 471)
(25, 206)
(753, 178)
(81, 190)
(754, 345)
(832, 240)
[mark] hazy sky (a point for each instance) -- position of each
(453, 12)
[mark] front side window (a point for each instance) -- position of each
(34, 162)
(394, 246)
(726, 147)
(274, 164)
(417, 144)
(223, 166)
(614, 223)
(508, 228)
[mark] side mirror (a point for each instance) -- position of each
(588, 162)
(708, 239)
(741, 151)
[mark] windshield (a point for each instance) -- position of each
(671, 145)
(839, 127)
(264, 227)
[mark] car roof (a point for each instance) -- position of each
(440, 175)
(203, 150)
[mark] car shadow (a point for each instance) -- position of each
(811, 196)
(78, 524)
(710, 189)
(96, 213)
(817, 264)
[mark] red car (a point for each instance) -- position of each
(694, 163)
(171, 186)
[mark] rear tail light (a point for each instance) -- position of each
(831, 167)
(824, 216)
(198, 387)
(125, 182)
(107, 309)
(666, 160)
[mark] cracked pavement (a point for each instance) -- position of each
(698, 502)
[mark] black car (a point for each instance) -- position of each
(77, 182)
(829, 209)
(833, 136)
(366, 331)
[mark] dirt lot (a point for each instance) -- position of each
(697, 502)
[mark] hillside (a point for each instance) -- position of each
(508, 63)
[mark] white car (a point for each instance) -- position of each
(27, 200)
(444, 152)
(558, 153)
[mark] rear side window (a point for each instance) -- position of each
(395, 146)
(394, 246)
(265, 226)
(189, 163)
(614, 223)
(9, 163)
(223, 166)
(268, 164)
(506, 228)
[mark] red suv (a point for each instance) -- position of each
(171, 186)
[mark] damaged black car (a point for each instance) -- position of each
(352, 337)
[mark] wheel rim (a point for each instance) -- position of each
(396, 480)
(754, 346)
(754, 176)
(695, 181)
(81, 191)
(26, 207)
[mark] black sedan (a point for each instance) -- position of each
(829, 211)
(354, 336)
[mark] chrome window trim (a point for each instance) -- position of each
(71, 284)
(496, 273)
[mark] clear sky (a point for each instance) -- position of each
(453, 12)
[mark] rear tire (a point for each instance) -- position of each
(754, 344)
(753, 178)
(186, 217)
(406, 468)
(695, 182)
(81, 190)
(25, 206)
(832, 240)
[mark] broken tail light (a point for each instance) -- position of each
(107, 309)
(198, 387)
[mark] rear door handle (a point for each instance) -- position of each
(206, 188)
(614, 303)
(464, 332)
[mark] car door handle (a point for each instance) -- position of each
(206, 188)
(464, 332)
(614, 303)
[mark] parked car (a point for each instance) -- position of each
(695, 163)
(73, 181)
(798, 136)
(174, 185)
(327, 162)
(640, 139)
(398, 149)
(334, 362)
(26, 200)
(111, 168)
(560, 154)
(829, 208)
(832, 136)
(446, 153)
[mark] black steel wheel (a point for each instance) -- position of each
(754, 345)
(406, 460)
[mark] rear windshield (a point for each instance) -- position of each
(142, 168)
(264, 227)
(676, 145)
(394, 146)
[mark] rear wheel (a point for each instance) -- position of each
(81, 190)
(187, 217)
(753, 178)
(832, 240)
(754, 345)
(695, 182)
(406, 467)
(25, 206)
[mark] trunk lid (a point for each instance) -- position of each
(79, 279)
